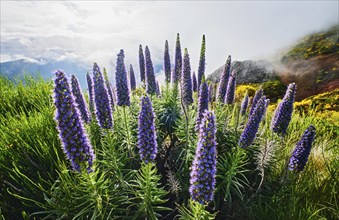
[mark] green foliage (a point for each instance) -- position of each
(241, 90)
(274, 90)
(195, 211)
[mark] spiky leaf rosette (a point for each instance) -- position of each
(142, 64)
(258, 94)
(186, 81)
(122, 89)
(151, 86)
(224, 80)
(229, 97)
(202, 103)
(167, 64)
(194, 82)
(109, 89)
(132, 78)
(103, 109)
(176, 74)
(248, 135)
(80, 100)
(147, 142)
(244, 105)
(202, 181)
(202, 61)
(73, 137)
(301, 152)
(283, 113)
(90, 91)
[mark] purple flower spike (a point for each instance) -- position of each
(109, 89)
(229, 97)
(72, 134)
(147, 141)
(248, 135)
(210, 92)
(202, 61)
(158, 92)
(301, 152)
(142, 64)
(194, 81)
(90, 91)
(186, 81)
(176, 74)
(202, 181)
(151, 86)
(224, 80)
(202, 103)
(283, 113)
(102, 103)
(121, 81)
(244, 105)
(258, 94)
(80, 100)
(167, 64)
(132, 78)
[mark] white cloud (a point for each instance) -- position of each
(96, 31)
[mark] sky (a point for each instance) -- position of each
(88, 31)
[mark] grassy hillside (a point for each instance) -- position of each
(37, 180)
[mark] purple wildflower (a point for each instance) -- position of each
(301, 152)
(132, 78)
(202, 181)
(121, 81)
(244, 105)
(202, 103)
(90, 92)
(194, 81)
(167, 64)
(72, 134)
(229, 97)
(202, 61)
(102, 104)
(142, 64)
(186, 81)
(176, 74)
(151, 86)
(79, 100)
(255, 99)
(109, 89)
(224, 80)
(252, 126)
(283, 113)
(147, 142)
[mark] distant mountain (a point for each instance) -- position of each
(18, 68)
(247, 71)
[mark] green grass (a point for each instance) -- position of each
(37, 182)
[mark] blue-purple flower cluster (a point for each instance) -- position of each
(147, 142)
(283, 113)
(224, 80)
(244, 105)
(73, 137)
(248, 135)
(202, 181)
(258, 94)
(109, 89)
(167, 64)
(90, 91)
(176, 74)
(202, 103)
(151, 86)
(133, 83)
(301, 152)
(229, 97)
(202, 61)
(186, 81)
(80, 100)
(194, 82)
(121, 84)
(142, 64)
(103, 109)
